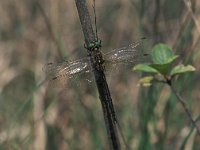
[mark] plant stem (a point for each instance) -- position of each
(180, 99)
(104, 93)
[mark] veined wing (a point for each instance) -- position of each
(67, 69)
(128, 55)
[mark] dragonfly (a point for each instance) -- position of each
(59, 73)
(127, 55)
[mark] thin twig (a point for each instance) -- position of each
(180, 99)
(122, 136)
(95, 18)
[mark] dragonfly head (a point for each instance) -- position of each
(93, 45)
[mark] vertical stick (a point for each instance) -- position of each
(104, 93)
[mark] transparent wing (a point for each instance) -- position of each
(59, 73)
(67, 69)
(128, 55)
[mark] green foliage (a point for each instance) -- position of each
(162, 60)
(146, 81)
(179, 69)
(161, 54)
(145, 68)
(162, 69)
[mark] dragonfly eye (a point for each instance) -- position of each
(98, 43)
(93, 45)
(90, 46)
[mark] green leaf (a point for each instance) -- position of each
(145, 68)
(179, 69)
(162, 57)
(162, 54)
(171, 59)
(146, 81)
(165, 67)
(161, 68)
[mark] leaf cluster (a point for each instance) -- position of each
(162, 66)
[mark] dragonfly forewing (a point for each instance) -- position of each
(68, 69)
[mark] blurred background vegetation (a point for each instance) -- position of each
(36, 116)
